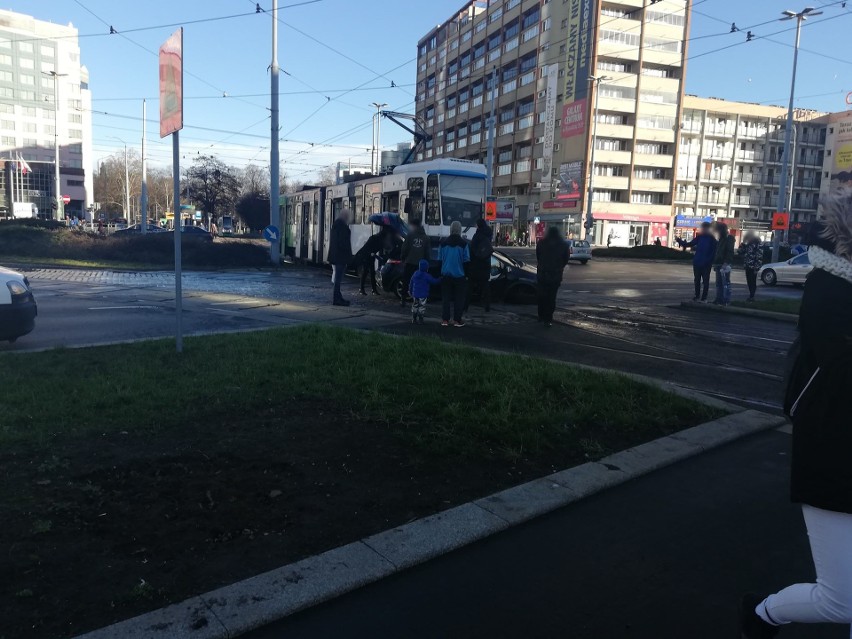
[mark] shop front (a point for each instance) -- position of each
(686, 226)
(622, 230)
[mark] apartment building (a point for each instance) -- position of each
(33, 55)
(729, 165)
(534, 60)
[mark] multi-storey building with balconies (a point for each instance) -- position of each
(729, 165)
(532, 61)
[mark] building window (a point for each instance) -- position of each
(665, 18)
(6, 59)
(25, 47)
(77, 134)
(5, 76)
(74, 182)
(8, 141)
(7, 125)
(27, 79)
(47, 52)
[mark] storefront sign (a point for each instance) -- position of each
(577, 64)
(690, 221)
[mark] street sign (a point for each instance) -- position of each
(780, 221)
(271, 234)
(66, 199)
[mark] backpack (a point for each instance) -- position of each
(481, 249)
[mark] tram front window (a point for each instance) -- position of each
(461, 199)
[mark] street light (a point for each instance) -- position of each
(56, 183)
(126, 181)
(375, 158)
(596, 80)
(801, 16)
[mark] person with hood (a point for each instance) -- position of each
(480, 262)
(552, 254)
(455, 254)
(752, 253)
(418, 289)
(702, 262)
(340, 253)
(417, 246)
(722, 261)
(816, 401)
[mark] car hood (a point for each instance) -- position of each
(775, 265)
(9, 273)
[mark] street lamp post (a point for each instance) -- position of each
(56, 183)
(126, 181)
(596, 80)
(800, 17)
(375, 157)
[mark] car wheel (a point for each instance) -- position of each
(769, 277)
(584, 262)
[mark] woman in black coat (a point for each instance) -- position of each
(818, 403)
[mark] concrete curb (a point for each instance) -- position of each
(738, 310)
(251, 603)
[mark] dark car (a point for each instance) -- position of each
(511, 280)
(136, 229)
(196, 234)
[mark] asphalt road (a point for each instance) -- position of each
(665, 556)
(615, 314)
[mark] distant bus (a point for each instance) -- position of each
(226, 225)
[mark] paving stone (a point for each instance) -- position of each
(190, 618)
(522, 503)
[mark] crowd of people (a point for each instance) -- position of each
(465, 267)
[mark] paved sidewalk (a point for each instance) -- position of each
(662, 557)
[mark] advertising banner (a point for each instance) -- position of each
(549, 124)
(570, 181)
(841, 171)
(505, 210)
(577, 66)
(171, 84)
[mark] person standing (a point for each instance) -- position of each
(722, 261)
(419, 288)
(455, 253)
(366, 259)
(552, 254)
(340, 253)
(702, 262)
(480, 262)
(816, 401)
(417, 246)
(752, 253)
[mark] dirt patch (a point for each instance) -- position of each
(106, 528)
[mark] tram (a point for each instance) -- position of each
(435, 192)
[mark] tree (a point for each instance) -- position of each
(109, 183)
(327, 175)
(212, 185)
(255, 180)
(253, 208)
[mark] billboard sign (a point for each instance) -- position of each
(505, 209)
(841, 170)
(570, 181)
(549, 123)
(171, 84)
(577, 66)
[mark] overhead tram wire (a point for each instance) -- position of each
(157, 55)
(254, 95)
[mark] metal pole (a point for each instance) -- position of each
(126, 189)
(56, 183)
(143, 198)
(373, 147)
(178, 232)
(591, 188)
(782, 185)
(378, 141)
(792, 168)
(491, 122)
(274, 162)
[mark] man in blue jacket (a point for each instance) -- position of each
(454, 255)
(705, 250)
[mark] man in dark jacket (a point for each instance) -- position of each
(722, 261)
(702, 262)
(552, 254)
(817, 402)
(480, 262)
(417, 246)
(374, 248)
(752, 253)
(340, 253)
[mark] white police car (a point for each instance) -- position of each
(17, 305)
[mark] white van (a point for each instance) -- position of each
(17, 305)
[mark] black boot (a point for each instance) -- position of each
(751, 625)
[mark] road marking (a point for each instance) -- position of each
(121, 308)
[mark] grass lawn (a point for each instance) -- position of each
(72, 263)
(773, 304)
(158, 476)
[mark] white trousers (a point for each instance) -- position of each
(829, 600)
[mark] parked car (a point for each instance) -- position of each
(793, 271)
(196, 234)
(511, 280)
(581, 251)
(136, 229)
(17, 305)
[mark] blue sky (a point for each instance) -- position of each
(375, 38)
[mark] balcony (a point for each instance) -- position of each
(506, 129)
(611, 182)
(687, 197)
(522, 166)
(715, 176)
(713, 198)
(504, 169)
(654, 161)
(748, 178)
(613, 157)
(530, 33)
(719, 132)
(617, 131)
(623, 105)
(652, 185)
(750, 156)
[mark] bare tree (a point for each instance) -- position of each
(327, 175)
(212, 185)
